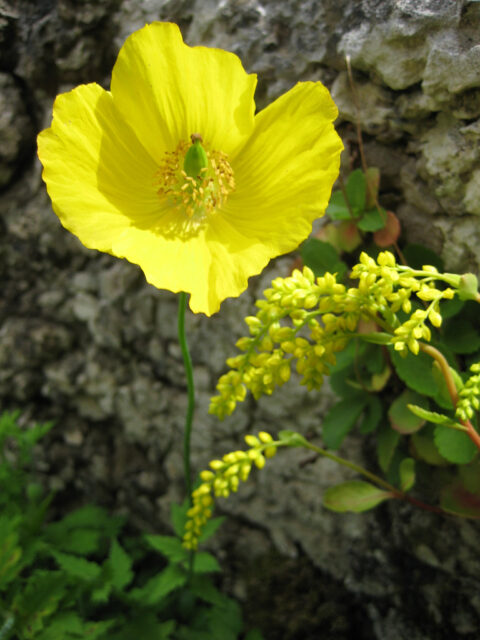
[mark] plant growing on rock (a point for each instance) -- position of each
(392, 348)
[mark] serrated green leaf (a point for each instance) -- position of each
(202, 587)
(77, 541)
(433, 416)
(145, 626)
(120, 566)
(77, 567)
(407, 474)
(455, 446)
(401, 418)
(341, 419)
(178, 514)
(254, 634)
(158, 587)
(373, 220)
(337, 208)
(356, 189)
(387, 442)
(355, 495)
(64, 625)
(39, 600)
(168, 546)
(91, 517)
(372, 415)
(204, 562)
(101, 594)
(211, 527)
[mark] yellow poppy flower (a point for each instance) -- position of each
(114, 165)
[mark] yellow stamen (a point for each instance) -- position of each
(200, 196)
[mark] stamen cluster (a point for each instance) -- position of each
(195, 196)
(223, 479)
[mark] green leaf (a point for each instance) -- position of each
(204, 562)
(461, 335)
(337, 208)
(387, 441)
(373, 414)
(322, 257)
(178, 514)
(341, 419)
(90, 517)
(65, 625)
(39, 600)
(169, 546)
(355, 495)
(417, 255)
(356, 189)
(450, 308)
(157, 588)
(211, 527)
(407, 474)
(401, 418)
(202, 587)
(468, 289)
(432, 416)
(254, 634)
(455, 446)
(77, 567)
(145, 626)
(77, 541)
(373, 220)
(470, 476)
(423, 447)
(457, 500)
(416, 372)
(120, 566)
(292, 438)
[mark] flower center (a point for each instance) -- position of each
(195, 180)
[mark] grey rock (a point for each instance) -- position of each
(86, 341)
(16, 130)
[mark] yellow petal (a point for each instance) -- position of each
(98, 175)
(285, 172)
(167, 90)
(211, 265)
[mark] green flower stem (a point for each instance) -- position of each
(373, 478)
(452, 389)
(187, 361)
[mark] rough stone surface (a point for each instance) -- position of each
(86, 342)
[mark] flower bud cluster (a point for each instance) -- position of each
(385, 281)
(309, 320)
(221, 479)
(469, 395)
(285, 330)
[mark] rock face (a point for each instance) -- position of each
(86, 342)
